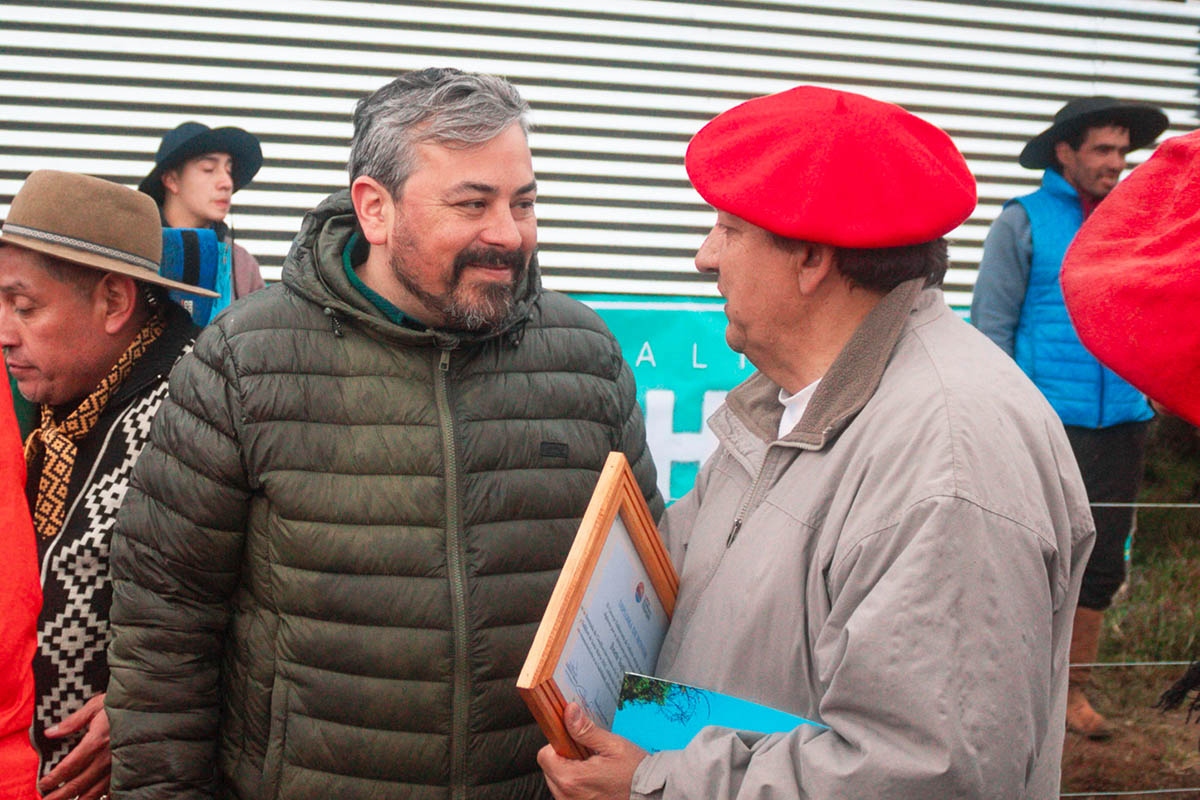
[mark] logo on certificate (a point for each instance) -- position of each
(639, 594)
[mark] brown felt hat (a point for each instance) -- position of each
(90, 222)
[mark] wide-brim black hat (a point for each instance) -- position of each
(195, 139)
(1144, 121)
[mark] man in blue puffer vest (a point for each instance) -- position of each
(1019, 305)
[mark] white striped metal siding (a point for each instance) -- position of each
(618, 87)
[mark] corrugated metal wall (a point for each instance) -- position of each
(618, 87)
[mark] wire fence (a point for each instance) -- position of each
(1134, 792)
(1137, 793)
(1139, 663)
(1191, 791)
(1135, 664)
(1144, 505)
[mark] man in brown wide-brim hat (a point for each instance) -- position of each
(89, 335)
(1018, 303)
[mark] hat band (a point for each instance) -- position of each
(81, 244)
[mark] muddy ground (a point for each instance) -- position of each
(1150, 750)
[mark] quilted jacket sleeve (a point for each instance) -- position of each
(633, 441)
(175, 559)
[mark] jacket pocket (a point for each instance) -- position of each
(281, 690)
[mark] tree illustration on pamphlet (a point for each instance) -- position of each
(679, 703)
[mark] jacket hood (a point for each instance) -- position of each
(313, 269)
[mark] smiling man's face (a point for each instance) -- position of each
(465, 230)
(1096, 166)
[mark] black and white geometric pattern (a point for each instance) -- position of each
(71, 663)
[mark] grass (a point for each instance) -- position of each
(1158, 617)
(1155, 618)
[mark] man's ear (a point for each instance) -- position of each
(1064, 152)
(815, 264)
(116, 298)
(170, 180)
(374, 207)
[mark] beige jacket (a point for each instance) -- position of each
(902, 567)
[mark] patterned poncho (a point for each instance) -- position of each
(70, 665)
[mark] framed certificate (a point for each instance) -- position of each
(608, 614)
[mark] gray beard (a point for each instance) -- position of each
(493, 306)
(483, 313)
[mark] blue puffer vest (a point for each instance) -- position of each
(1080, 388)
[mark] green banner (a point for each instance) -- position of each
(676, 346)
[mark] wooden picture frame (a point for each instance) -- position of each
(617, 496)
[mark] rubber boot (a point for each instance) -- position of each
(1085, 644)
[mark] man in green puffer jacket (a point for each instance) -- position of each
(358, 496)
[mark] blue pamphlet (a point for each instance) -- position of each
(658, 715)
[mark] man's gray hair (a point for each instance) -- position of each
(447, 106)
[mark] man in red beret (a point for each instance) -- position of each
(1019, 305)
(890, 537)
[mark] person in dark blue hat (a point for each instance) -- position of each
(197, 169)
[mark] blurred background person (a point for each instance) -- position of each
(1131, 282)
(1018, 304)
(196, 172)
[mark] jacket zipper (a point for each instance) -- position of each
(458, 592)
(750, 503)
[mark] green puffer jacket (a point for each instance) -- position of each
(342, 537)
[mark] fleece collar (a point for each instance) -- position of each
(388, 308)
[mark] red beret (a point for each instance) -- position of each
(832, 167)
(1131, 278)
